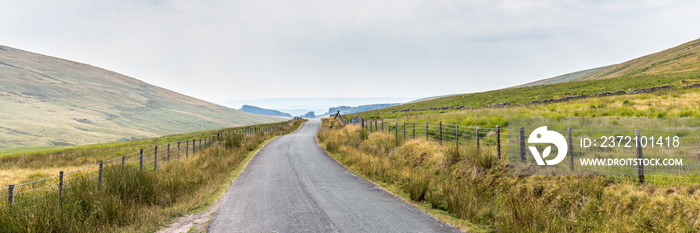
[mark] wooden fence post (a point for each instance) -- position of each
(123, 160)
(99, 175)
(522, 144)
(414, 130)
(396, 132)
(440, 132)
(477, 139)
(168, 158)
(155, 160)
(10, 195)
(60, 187)
(375, 125)
(457, 135)
(426, 131)
(178, 150)
(498, 142)
(382, 125)
(571, 150)
(141, 160)
(194, 146)
(187, 148)
(404, 131)
(640, 156)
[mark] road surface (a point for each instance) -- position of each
(292, 185)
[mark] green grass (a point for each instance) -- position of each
(133, 200)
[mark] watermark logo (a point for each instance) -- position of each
(542, 135)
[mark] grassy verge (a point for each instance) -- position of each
(133, 200)
(472, 185)
(26, 166)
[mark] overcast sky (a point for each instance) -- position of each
(230, 49)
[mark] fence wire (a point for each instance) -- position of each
(491, 138)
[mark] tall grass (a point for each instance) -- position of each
(130, 197)
(471, 184)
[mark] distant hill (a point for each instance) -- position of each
(309, 115)
(50, 102)
(348, 110)
(263, 111)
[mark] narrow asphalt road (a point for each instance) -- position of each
(292, 185)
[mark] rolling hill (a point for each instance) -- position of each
(676, 67)
(52, 102)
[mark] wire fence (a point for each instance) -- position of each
(626, 155)
(37, 192)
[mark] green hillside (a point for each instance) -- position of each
(677, 67)
(50, 102)
(679, 59)
(566, 77)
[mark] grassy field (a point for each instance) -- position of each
(474, 186)
(131, 200)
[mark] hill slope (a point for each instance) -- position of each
(667, 67)
(48, 102)
(566, 77)
(682, 58)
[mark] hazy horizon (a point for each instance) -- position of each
(320, 105)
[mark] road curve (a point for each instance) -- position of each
(292, 185)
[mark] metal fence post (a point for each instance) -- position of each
(155, 160)
(99, 176)
(640, 156)
(571, 150)
(60, 187)
(498, 142)
(522, 144)
(141, 160)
